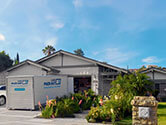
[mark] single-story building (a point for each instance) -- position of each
(158, 76)
(87, 73)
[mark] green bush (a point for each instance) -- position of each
(94, 114)
(64, 108)
(88, 99)
(67, 105)
(123, 89)
(99, 114)
(48, 111)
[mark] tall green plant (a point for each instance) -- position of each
(124, 88)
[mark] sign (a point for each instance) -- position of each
(54, 83)
(144, 112)
(19, 89)
(20, 82)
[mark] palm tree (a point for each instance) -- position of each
(48, 50)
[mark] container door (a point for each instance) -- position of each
(20, 93)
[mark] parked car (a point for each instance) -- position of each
(2, 95)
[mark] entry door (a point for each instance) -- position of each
(20, 93)
(82, 83)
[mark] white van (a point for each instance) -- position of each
(2, 95)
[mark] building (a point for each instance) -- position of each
(158, 76)
(87, 73)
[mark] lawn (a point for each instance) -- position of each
(161, 112)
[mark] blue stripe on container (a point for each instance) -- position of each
(19, 89)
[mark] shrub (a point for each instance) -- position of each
(48, 111)
(123, 89)
(99, 114)
(88, 99)
(64, 108)
(94, 114)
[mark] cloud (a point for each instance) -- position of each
(91, 3)
(151, 59)
(52, 41)
(55, 22)
(95, 53)
(77, 3)
(57, 25)
(115, 55)
(85, 24)
(2, 37)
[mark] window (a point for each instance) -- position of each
(157, 87)
(2, 87)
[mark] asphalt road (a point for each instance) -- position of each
(20, 117)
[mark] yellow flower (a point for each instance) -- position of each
(112, 110)
(116, 97)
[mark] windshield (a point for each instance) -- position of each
(2, 87)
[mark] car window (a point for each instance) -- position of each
(3, 88)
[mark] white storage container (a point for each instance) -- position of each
(24, 92)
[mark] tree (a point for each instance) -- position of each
(79, 52)
(139, 83)
(48, 50)
(5, 61)
(16, 60)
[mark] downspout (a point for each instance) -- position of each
(153, 75)
(62, 60)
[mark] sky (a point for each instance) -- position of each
(120, 32)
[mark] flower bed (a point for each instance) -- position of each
(67, 106)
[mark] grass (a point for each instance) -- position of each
(161, 113)
(126, 121)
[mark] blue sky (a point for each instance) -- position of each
(119, 32)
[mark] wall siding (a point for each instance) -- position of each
(157, 75)
(55, 61)
(71, 61)
(3, 77)
(27, 70)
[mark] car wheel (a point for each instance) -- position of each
(2, 100)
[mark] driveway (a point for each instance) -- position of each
(20, 117)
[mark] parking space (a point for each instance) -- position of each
(20, 117)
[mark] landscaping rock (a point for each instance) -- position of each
(144, 111)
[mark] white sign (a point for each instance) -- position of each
(144, 112)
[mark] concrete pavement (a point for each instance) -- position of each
(20, 117)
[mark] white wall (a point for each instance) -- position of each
(67, 61)
(150, 75)
(54, 61)
(71, 61)
(27, 70)
(157, 75)
(41, 92)
(20, 99)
